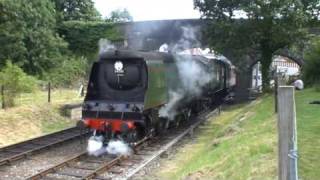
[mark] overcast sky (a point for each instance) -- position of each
(142, 10)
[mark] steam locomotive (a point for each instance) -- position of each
(132, 94)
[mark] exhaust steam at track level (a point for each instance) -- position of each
(96, 147)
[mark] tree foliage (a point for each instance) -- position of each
(15, 81)
(120, 15)
(83, 37)
(312, 9)
(311, 71)
(69, 73)
(52, 39)
(28, 37)
(266, 27)
(76, 10)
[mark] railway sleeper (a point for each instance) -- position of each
(126, 163)
(115, 170)
(73, 172)
(90, 168)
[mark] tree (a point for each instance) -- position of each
(311, 71)
(267, 26)
(69, 73)
(28, 37)
(15, 81)
(312, 9)
(80, 10)
(120, 15)
(83, 37)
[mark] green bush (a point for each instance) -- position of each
(15, 81)
(317, 87)
(311, 72)
(70, 73)
(83, 37)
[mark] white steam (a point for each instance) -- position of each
(114, 147)
(95, 146)
(170, 110)
(105, 45)
(193, 75)
(188, 40)
(118, 147)
(164, 48)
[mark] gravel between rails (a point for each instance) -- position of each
(27, 167)
(150, 172)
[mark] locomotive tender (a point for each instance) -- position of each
(127, 89)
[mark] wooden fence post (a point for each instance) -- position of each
(276, 85)
(81, 91)
(287, 132)
(49, 92)
(2, 97)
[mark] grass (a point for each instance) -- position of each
(33, 116)
(242, 144)
(308, 123)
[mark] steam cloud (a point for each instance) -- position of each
(118, 147)
(95, 146)
(114, 147)
(193, 76)
(188, 40)
(170, 110)
(105, 45)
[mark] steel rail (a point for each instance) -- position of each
(106, 165)
(57, 166)
(37, 146)
(102, 168)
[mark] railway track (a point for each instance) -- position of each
(83, 166)
(155, 150)
(25, 149)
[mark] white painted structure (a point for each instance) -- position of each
(256, 77)
(282, 65)
(285, 66)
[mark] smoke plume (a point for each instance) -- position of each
(105, 45)
(193, 75)
(115, 147)
(188, 40)
(118, 147)
(95, 146)
(170, 110)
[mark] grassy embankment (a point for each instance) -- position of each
(242, 144)
(33, 116)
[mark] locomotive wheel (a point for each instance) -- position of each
(162, 126)
(108, 133)
(176, 122)
(132, 136)
(179, 119)
(187, 115)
